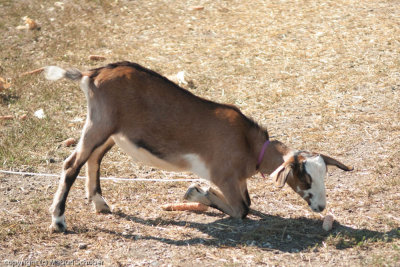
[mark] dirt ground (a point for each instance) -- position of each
(322, 76)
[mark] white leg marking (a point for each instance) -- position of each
(100, 204)
(195, 193)
(58, 223)
(59, 219)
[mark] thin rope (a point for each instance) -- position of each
(104, 178)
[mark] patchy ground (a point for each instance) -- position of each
(321, 76)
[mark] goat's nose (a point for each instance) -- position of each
(319, 208)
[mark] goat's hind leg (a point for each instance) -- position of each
(93, 188)
(92, 137)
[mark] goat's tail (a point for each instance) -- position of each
(54, 73)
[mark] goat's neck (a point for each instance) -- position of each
(274, 156)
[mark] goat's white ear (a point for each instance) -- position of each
(281, 174)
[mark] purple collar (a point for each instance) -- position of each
(261, 156)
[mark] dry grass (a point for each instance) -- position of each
(322, 76)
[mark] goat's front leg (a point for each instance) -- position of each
(230, 200)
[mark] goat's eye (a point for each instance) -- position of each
(307, 181)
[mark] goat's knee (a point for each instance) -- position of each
(196, 194)
(69, 163)
(236, 208)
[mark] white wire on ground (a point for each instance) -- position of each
(104, 178)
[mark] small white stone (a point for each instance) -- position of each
(328, 222)
(181, 78)
(39, 114)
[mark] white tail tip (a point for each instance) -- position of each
(54, 73)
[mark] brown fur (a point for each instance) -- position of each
(168, 121)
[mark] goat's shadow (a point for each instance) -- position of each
(269, 232)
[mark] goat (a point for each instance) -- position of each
(161, 124)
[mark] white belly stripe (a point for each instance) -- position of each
(197, 166)
(142, 155)
(193, 162)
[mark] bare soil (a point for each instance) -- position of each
(321, 76)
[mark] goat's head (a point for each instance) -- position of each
(305, 173)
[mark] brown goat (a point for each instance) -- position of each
(161, 124)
